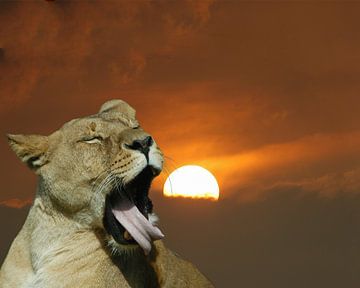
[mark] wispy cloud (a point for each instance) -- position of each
(327, 164)
(16, 203)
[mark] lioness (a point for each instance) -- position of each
(92, 222)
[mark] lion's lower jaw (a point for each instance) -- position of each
(117, 249)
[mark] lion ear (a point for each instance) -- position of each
(120, 106)
(31, 149)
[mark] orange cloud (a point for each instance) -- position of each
(214, 84)
(327, 164)
(16, 203)
(79, 42)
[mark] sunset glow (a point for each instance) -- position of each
(192, 181)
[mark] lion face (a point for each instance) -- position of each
(96, 169)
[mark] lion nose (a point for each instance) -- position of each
(142, 145)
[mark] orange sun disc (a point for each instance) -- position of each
(191, 181)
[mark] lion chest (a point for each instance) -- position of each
(78, 266)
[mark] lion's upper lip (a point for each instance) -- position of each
(155, 171)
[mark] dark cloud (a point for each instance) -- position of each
(11, 221)
(287, 240)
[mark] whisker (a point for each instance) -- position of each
(171, 163)
(106, 170)
(167, 157)
(168, 177)
(105, 183)
(105, 187)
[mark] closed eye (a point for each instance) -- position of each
(92, 139)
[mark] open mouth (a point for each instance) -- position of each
(127, 210)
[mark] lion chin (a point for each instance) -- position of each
(92, 222)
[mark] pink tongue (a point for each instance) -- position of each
(136, 224)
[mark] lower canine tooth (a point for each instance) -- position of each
(127, 235)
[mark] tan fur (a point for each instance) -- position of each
(63, 242)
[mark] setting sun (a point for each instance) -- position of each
(191, 181)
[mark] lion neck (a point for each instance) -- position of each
(49, 231)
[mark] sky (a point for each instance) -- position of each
(263, 94)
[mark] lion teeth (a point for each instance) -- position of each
(127, 235)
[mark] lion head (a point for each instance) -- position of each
(97, 171)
